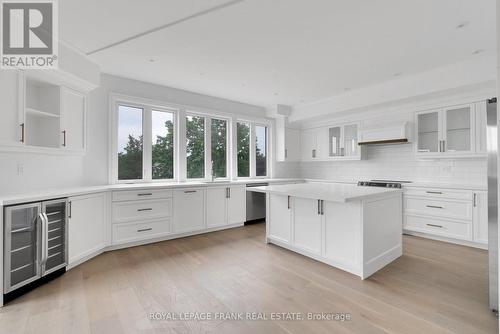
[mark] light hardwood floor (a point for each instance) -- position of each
(434, 288)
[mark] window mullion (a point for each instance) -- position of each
(208, 147)
(253, 163)
(147, 144)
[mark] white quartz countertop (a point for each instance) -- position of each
(326, 191)
(416, 184)
(42, 195)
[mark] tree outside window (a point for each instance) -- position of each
(219, 147)
(195, 147)
(243, 148)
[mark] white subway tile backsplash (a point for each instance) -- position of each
(394, 162)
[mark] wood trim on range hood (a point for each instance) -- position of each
(387, 141)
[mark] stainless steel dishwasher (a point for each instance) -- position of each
(256, 203)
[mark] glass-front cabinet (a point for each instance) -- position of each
(446, 132)
(343, 142)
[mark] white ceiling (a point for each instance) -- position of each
(281, 51)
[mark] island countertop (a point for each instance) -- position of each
(327, 192)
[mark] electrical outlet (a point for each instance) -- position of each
(20, 169)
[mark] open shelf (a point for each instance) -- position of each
(36, 112)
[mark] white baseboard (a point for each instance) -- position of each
(380, 261)
(450, 240)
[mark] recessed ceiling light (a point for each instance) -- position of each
(478, 51)
(152, 60)
(462, 25)
(243, 85)
(347, 89)
(398, 74)
(276, 94)
(202, 73)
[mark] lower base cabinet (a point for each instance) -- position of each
(130, 232)
(87, 226)
(280, 218)
(225, 206)
(307, 225)
(189, 210)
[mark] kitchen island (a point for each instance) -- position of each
(356, 229)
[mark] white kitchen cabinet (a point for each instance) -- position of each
(287, 142)
(342, 233)
(216, 206)
(480, 217)
(87, 226)
(12, 120)
(307, 225)
(447, 133)
(42, 114)
(236, 205)
(189, 210)
(343, 142)
(481, 128)
(314, 144)
(73, 119)
(226, 205)
(280, 218)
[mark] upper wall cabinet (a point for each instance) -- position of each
(448, 132)
(338, 142)
(287, 143)
(42, 115)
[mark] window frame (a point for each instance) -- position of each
(147, 107)
(253, 162)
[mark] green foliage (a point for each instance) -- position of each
(130, 161)
(163, 154)
(219, 147)
(195, 147)
(243, 147)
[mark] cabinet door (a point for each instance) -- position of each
(22, 256)
(86, 227)
(481, 126)
(308, 149)
(480, 217)
(322, 143)
(279, 220)
(428, 132)
(55, 249)
(292, 144)
(307, 225)
(12, 97)
(342, 233)
(189, 210)
(350, 146)
(216, 206)
(236, 205)
(334, 141)
(458, 129)
(73, 106)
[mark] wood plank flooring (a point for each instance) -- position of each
(434, 288)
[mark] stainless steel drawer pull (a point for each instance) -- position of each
(189, 191)
(145, 229)
(433, 225)
(434, 192)
(146, 209)
(434, 206)
(145, 194)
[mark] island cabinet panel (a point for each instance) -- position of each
(307, 225)
(342, 236)
(279, 220)
(189, 210)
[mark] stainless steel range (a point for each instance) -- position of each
(382, 183)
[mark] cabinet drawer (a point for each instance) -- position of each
(441, 227)
(134, 195)
(128, 232)
(439, 193)
(439, 208)
(129, 211)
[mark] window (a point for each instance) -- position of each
(219, 147)
(195, 147)
(243, 148)
(260, 150)
(162, 145)
(130, 142)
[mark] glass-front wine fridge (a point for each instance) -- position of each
(35, 242)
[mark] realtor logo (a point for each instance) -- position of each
(28, 34)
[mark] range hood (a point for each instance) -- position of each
(394, 133)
